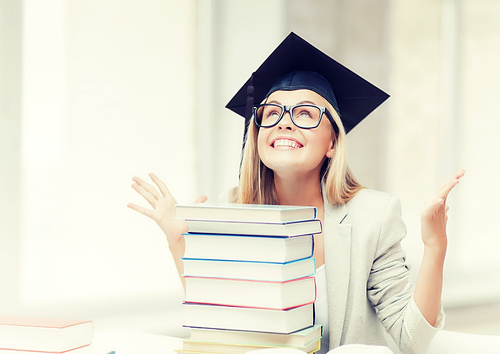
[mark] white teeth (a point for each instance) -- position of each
(286, 143)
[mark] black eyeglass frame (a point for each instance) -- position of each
(289, 109)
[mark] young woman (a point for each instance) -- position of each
(294, 154)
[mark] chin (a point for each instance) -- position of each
(288, 168)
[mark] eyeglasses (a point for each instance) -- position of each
(304, 116)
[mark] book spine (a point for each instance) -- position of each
(312, 248)
(252, 280)
(241, 260)
(246, 319)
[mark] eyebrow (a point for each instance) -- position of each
(301, 102)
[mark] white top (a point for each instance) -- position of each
(321, 307)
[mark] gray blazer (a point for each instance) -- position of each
(368, 281)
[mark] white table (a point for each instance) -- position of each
(130, 342)
(134, 342)
(124, 342)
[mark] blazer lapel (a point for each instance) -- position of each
(337, 240)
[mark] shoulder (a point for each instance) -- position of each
(371, 199)
(373, 208)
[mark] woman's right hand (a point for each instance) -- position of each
(163, 212)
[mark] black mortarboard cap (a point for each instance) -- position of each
(289, 67)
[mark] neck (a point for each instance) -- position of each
(299, 191)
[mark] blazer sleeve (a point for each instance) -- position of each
(390, 290)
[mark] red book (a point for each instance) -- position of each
(44, 335)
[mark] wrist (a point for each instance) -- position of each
(436, 251)
(434, 241)
(177, 248)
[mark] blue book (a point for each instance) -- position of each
(248, 248)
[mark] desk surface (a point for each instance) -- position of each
(130, 342)
(124, 342)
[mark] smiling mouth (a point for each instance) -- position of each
(286, 144)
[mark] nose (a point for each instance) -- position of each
(286, 122)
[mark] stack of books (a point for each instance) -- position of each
(249, 276)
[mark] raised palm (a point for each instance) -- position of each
(163, 203)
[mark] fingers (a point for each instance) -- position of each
(201, 199)
(446, 189)
(458, 174)
(162, 186)
(151, 199)
(147, 212)
(449, 184)
(149, 188)
(157, 201)
(433, 207)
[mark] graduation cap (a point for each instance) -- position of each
(295, 64)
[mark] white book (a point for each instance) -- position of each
(249, 319)
(251, 293)
(249, 270)
(297, 339)
(197, 347)
(287, 229)
(245, 212)
(248, 248)
(44, 335)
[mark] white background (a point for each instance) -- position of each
(106, 90)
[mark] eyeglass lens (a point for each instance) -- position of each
(304, 116)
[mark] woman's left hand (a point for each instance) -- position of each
(434, 216)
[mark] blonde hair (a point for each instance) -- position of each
(257, 180)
